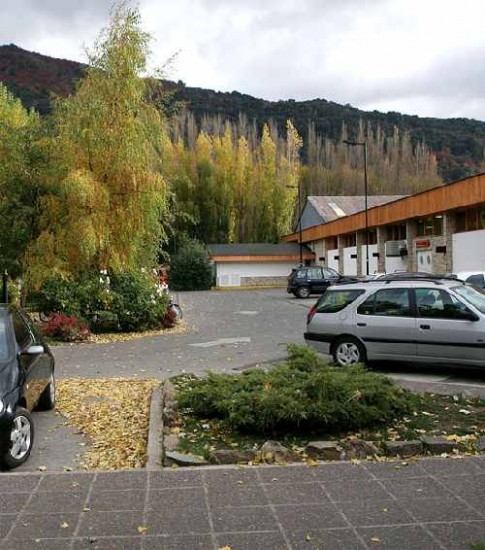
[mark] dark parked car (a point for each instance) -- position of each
(304, 281)
(26, 382)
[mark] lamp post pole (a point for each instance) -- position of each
(364, 145)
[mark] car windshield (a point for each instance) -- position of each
(3, 340)
(473, 295)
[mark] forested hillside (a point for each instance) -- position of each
(457, 143)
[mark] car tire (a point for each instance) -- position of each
(21, 440)
(348, 351)
(47, 399)
(303, 292)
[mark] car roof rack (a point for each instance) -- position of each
(437, 279)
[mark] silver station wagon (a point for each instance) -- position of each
(435, 320)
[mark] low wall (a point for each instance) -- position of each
(264, 281)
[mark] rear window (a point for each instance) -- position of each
(336, 300)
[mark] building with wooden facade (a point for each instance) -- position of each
(437, 231)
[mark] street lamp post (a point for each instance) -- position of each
(364, 145)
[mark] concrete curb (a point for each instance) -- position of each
(154, 446)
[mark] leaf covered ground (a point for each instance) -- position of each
(113, 413)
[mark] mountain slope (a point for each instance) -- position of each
(458, 143)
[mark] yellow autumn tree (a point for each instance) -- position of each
(109, 198)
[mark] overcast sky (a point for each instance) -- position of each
(424, 57)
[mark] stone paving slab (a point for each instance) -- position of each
(426, 504)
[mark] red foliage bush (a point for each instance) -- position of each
(169, 318)
(66, 328)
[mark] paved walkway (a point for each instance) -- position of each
(429, 504)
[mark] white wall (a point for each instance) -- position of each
(331, 262)
(469, 251)
(372, 259)
(319, 248)
(394, 263)
(230, 273)
(350, 264)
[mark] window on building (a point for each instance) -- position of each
(372, 235)
(396, 232)
(351, 239)
(332, 243)
(471, 219)
(430, 226)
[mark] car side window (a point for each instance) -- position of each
(438, 304)
(22, 332)
(329, 273)
(315, 273)
(389, 302)
(336, 300)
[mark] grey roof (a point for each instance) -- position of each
(255, 249)
(330, 208)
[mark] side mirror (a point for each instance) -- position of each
(468, 315)
(35, 349)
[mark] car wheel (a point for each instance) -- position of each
(21, 440)
(303, 292)
(348, 351)
(47, 399)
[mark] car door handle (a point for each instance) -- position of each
(361, 324)
(425, 327)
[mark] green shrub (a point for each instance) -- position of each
(137, 302)
(191, 268)
(304, 393)
(129, 301)
(57, 294)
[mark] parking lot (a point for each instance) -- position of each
(227, 331)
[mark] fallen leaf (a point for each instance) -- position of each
(64, 525)
(464, 411)
(375, 539)
(142, 529)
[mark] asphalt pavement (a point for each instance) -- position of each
(226, 331)
(432, 503)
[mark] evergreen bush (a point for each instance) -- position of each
(191, 268)
(304, 393)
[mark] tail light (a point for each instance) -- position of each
(311, 313)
